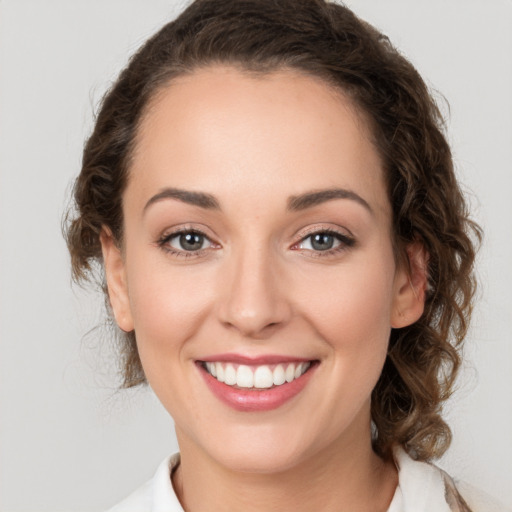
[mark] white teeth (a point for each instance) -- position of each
(279, 376)
(258, 377)
(244, 377)
(230, 375)
(290, 372)
(220, 372)
(263, 377)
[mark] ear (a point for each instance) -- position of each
(116, 281)
(411, 281)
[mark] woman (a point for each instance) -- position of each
(289, 256)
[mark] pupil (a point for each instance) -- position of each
(322, 241)
(191, 241)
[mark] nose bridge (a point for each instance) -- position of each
(254, 299)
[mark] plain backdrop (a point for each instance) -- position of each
(68, 440)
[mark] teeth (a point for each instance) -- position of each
(258, 377)
(290, 373)
(279, 375)
(230, 375)
(244, 377)
(220, 372)
(263, 377)
(211, 368)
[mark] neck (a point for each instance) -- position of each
(344, 476)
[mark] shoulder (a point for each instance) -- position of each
(156, 494)
(425, 487)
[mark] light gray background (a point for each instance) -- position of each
(68, 441)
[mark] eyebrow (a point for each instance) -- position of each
(310, 199)
(295, 203)
(200, 199)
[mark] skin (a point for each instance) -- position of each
(258, 286)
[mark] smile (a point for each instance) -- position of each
(256, 385)
(256, 376)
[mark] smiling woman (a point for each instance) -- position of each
(289, 256)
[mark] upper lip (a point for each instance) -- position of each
(253, 361)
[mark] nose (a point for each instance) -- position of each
(254, 299)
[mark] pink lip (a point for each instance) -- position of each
(260, 360)
(249, 400)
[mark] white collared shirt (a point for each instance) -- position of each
(422, 487)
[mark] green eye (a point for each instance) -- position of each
(325, 241)
(191, 241)
(322, 241)
(188, 241)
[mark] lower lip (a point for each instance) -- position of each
(250, 400)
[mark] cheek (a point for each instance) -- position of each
(353, 313)
(168, 306)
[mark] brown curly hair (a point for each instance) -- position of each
(328, 41)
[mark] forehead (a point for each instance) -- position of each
(220, 125)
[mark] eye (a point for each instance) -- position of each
(320, 242)
(185, 242)
(325, 241)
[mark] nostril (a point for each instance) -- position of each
(255, 323)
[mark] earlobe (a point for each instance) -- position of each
(116, 281)
(411, 282)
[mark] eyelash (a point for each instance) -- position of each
(345, 242)
(163, 243)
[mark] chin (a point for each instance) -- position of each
(256, 461)
(260, 451)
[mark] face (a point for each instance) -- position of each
(257, 251)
